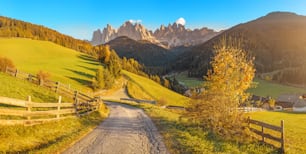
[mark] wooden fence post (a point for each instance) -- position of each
(76, 103)
(76, 95)
(282, 137)
(249, 121)
(59, 106)
(6, 69)
(57, 87)
(262, 134)
(30, 77)
(29, 107)
(16, 72)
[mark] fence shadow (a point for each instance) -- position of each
(81, 81)
(88, 60)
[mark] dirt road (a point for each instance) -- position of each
(127, 131)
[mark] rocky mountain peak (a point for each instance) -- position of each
(171, 36)
(177, 35)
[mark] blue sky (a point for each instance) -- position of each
(79, 18)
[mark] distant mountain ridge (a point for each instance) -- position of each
(277, 40)
(145, 52)
(171, 36)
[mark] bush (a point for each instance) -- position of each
(162, 102)
(4, 63)
(43, 76)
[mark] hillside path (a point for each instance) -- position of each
(127, 130)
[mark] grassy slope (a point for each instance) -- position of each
(41, 138)
(266, 88)
(64, 65)
(188, 81)
(295, 126)
(155, 91)
(21, 89)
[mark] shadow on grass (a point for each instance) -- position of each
(81, 81)
(87, 68)
(89, 76)
(88, 60)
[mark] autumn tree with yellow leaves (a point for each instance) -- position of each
(231, 74)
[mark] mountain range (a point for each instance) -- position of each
(276, 40)
(168, 37)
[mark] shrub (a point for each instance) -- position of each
(4, 63)
(162, 102)
(43, 76)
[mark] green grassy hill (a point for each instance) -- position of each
(64, 65)
(266, 88)
(21, 89)
(148, 88)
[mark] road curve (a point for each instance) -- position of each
(127, 130)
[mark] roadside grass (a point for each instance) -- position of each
(65, 65)
(21, 89)
(182, 136)
(295, 128)
(135, 91)
(51, 137)
(143, 87)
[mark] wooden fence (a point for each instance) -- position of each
(28, 112)
(83, 103)
(57, 87)
(264, 134)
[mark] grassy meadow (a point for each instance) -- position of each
(264, 88)
(40, 138)
(295, 128)
(17, 88)
(267, 88)
(64, 64)
(183, 78)
(144, 88)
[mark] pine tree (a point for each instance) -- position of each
(98, 81)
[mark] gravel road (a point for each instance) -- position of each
(128, 130)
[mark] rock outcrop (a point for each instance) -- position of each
(172, 36)
(177, 35)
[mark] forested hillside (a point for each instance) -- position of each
(15, 28)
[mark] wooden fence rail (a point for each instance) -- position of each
(57, 87)
(83, 103)
(264, 134)
(41, 112)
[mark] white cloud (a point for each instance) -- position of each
(135, 21)
(181, 21)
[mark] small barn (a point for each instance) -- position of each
(287, 100)
(295, 101)
(300, 105)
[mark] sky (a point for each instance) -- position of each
(79, 18)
